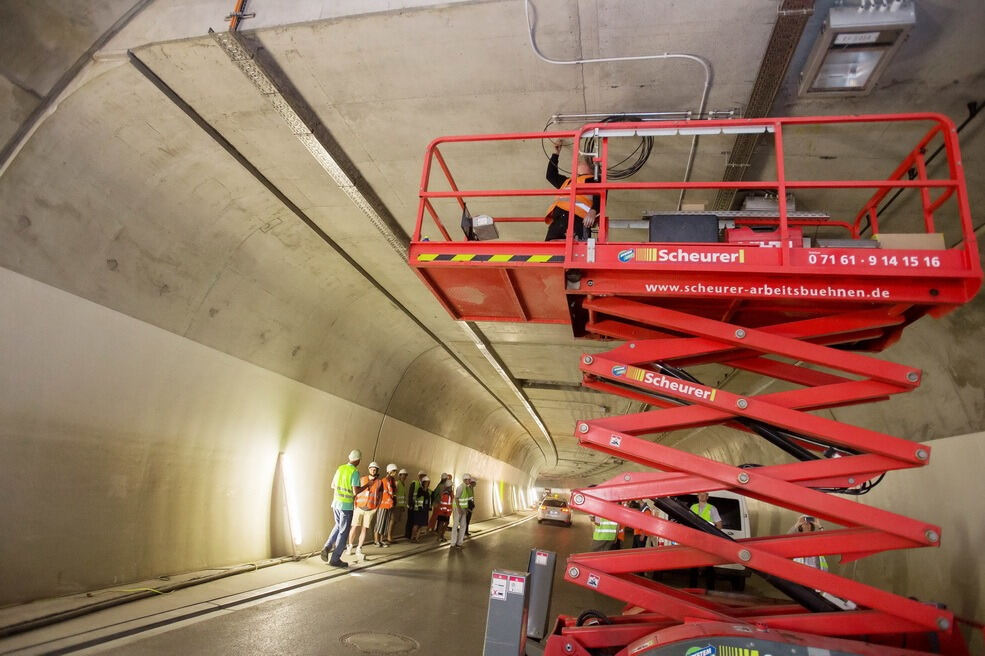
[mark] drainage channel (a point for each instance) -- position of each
(202, 610)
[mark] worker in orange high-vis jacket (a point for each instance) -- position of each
(586, 207)
(387, 502)
(442, 511)
(367, 503)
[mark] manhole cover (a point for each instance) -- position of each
(379, 644)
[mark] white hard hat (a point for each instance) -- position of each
(443, 475)
(373, 464)
(391, 467)
(355, 454)
(422, 473)
(466, 477)
(426, 478)
(402, 471)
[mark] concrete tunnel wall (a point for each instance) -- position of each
(130, 452)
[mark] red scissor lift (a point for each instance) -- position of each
(763, 310)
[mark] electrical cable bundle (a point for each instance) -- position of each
(614, 172)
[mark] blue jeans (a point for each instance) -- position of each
(340, 534)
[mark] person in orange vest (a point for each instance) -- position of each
(367, 502)
(442, 512)
(586, 207)
(385, 513)
(435, 495)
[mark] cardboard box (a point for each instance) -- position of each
(912, 241)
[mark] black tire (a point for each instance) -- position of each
(592, 617)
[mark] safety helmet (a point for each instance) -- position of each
(391, 467)
(402, 471)
(355, 454)
(373, 464)
(466, 477)
(422, 473)
(426, 478)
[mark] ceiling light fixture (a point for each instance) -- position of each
(855, 47)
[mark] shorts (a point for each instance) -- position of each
(362, 517)
(383, 520)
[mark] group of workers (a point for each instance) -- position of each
(383, 505)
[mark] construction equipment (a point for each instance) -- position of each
(784, 308)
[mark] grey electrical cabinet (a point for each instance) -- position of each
(541, 570)
(506, 620)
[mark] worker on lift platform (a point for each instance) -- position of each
(586, 207)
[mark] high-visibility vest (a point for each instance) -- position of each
(463, 501)
(343, 484)
(605, 530)
(705, 513)
(444, 504)
(583, 204)
(369, 498)
(419, 498)
(388, 492)
(401, 494)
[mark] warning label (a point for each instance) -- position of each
(516, 585)
(540, 558)
(498, 589)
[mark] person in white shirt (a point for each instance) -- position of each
(460, 508)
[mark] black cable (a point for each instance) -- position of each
(613, 172)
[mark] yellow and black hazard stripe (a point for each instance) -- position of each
(488, 257)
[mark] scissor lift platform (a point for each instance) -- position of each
(794, 313)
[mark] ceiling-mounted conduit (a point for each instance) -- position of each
(705, 64)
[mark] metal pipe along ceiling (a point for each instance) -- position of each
(705, 64)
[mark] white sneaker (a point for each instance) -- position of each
(359, 552)
(348, 550)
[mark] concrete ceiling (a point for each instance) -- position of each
(112, 192)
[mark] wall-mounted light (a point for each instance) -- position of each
(855, 47)
(293, 516)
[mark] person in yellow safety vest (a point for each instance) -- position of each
(709, 513)
(586, 207)
(399, 519)
(367, 502)
(606, 534)
(460, 510)
(420, 508)
(411, 494)
(808, 524)
(346, 485)
(706, 511)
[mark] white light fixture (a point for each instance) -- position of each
(293, 519)
(855, 47)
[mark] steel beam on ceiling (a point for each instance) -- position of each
(792, 17)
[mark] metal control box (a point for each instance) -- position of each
(541, 569)
(506, 619)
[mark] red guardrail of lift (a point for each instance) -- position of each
(912, 166)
